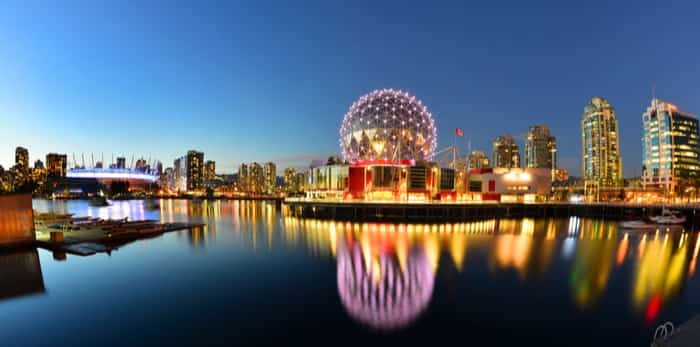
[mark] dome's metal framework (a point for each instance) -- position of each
(389, 125)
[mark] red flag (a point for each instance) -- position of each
(459, 132)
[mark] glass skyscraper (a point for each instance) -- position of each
(670, 152)
(506, 153)
(601, 160)
(540, 148)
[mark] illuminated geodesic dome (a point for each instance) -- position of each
(388, 124)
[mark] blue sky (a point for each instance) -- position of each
(263, 80)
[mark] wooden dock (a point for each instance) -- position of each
(86, 236)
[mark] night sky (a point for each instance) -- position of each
(261, 80)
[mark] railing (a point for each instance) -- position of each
(488, 202)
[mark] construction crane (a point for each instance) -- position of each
(450, 157)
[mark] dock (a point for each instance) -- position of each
(87, 236)
(447, 211)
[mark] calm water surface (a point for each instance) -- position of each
(256, 277)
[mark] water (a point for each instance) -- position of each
(255, 277)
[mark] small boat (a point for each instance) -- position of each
(637, 224)
(668, 217)
(99, 201)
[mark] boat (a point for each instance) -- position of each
(637, 224)
(668, 217)
(99, 201)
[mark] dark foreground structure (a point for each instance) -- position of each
(16, 220)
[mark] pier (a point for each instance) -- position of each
(451, 211)
(63, 233)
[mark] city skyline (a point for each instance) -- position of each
(241, 80)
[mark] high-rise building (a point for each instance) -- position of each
(169, 179)
(56, 165)
(159, 168)
(671, 151)
(255, 178)
(243, 177)
(270, 177)
(478, 160)
(121, 163)
(180, 174)
(141, 165)
(506, 153)
(601, 160)
(195, 170)
(22, 160)
(38, 164)
(290, 180)
(210, 170)
(301, 181)
(560, 175)
(540, 148)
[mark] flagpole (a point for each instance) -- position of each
(454, 150)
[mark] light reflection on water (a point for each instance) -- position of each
(389, 275)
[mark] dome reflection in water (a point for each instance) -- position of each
(380, 286)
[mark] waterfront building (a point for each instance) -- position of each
(478, 160)
(506, 152)
(561, 175)
(180, 174)
(22, 160)
(85, 177)
(243, 177)
(601, 160)
(301, 181)
(328, 181)
(510, 184)
(671, 151)
(209, 170)
(270, 177)
(121, 163)
(290, 180)
(56, 165)
(195, 170)
(159, 168)
(256, 178)
(540, 148)
(387, 140)
(38, 176)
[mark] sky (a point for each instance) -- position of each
(270, 81)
